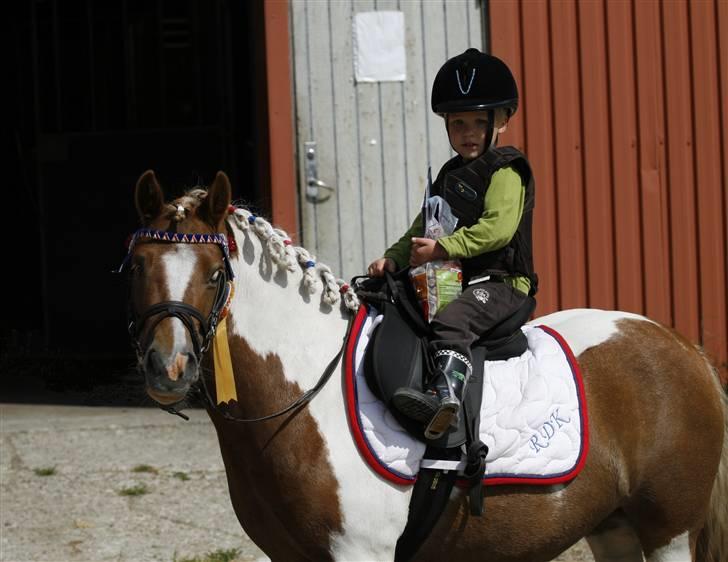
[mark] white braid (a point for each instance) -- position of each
(285, 256)
(286, 252)
(241, 218)
(331, 287)
(311, 282)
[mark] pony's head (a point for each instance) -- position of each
(180, 280)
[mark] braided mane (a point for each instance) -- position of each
(289, 257)
(279, 246)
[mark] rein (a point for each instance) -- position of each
(188, 314)
(299, 402)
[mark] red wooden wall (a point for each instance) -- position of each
(624, 116)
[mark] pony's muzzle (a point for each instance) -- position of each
(169, 377)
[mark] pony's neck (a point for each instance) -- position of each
(279, 306)
(281, 338)
(284, 323)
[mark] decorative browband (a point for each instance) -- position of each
(181, 238)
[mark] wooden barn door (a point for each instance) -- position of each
(370, 142)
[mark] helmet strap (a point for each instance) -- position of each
(492, 139)
(489, 131)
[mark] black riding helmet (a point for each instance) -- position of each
(474, 81)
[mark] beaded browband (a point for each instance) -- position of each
(181, 238)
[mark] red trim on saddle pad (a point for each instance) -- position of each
(352, 405)
(373, 461)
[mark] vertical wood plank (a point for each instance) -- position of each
(722, 14)
(303, 116)
(599, 214)
(569, 180)
(712, 254)
(680, 173)
(280, 118)
(393, 151)
(416, 108)
(435, 55)
(456, 17)
(538, 106)
(346, 172)
(624, 156)
(476, 22)
(370, 159)
(654, 199)
(327, 246)
(505, 41)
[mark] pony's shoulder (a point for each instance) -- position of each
(583, 328)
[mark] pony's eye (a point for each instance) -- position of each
(135, 269)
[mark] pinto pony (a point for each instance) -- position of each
(655, 482)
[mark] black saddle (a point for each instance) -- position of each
(397, 353)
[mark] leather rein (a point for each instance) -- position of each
(203, 334)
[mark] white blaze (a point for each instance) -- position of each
(178, 264)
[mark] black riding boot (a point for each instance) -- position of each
(438, 407)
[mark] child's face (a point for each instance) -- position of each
(467, 133)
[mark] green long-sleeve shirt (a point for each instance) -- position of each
(503, 209)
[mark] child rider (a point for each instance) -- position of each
(491, 192)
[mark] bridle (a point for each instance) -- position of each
(202, 337)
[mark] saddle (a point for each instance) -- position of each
(397, 355)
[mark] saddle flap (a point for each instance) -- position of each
(397, 357)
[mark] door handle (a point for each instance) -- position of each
(313, 184)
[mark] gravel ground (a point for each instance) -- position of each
(78, 513)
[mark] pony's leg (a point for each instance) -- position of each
(677, 550)
(614, 540)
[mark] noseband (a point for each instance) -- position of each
(201, 336)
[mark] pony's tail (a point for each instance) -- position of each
(712, 540)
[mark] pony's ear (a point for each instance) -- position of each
(214, 207)
(148, 197)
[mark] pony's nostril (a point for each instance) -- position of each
(177, 367)
(153, 362)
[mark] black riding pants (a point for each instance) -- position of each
(479, 308)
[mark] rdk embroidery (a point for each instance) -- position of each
(482, 295)
(547, 431)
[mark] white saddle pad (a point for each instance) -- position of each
(533, 414)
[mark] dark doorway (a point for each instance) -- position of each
(104, 90)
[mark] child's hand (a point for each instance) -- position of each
(377, 267)
(424, 250)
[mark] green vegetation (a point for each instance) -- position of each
(45, 471)
(181, 476)
(220, 555)
(138, 490)
(144, 468)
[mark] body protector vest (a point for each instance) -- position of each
(464, 187)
